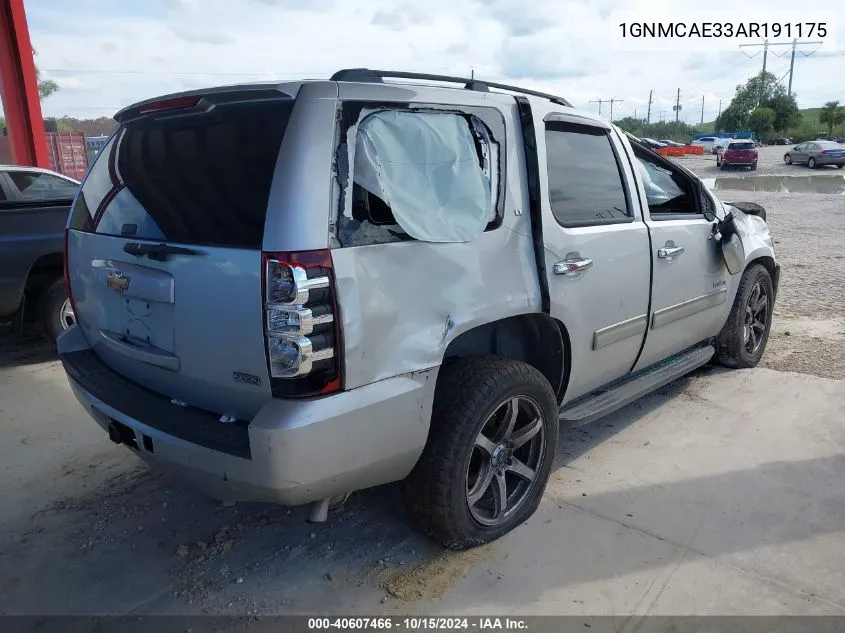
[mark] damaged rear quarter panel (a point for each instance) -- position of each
(403, 303)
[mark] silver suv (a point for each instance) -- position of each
(287, 293)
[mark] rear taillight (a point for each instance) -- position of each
(301, 324)
(826, 151)
(67, 272)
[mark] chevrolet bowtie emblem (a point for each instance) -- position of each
(117, 282)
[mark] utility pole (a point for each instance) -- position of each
(648, 116)
(766, 46)
(611, 106)
(472, 73)
(796, 44)
(677, 106)
(635, 115)
(599, 101)
(702, 110)
(720, 109)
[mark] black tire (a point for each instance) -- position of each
(49, 310)
(787, 159)
(731, 344)
(811, 163)
(840, 166)
(469, 392)
(753, 166)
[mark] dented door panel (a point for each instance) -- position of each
(403, 303)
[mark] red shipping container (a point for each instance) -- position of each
(67, 153)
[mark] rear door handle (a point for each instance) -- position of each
(669, 252)
(572, 266)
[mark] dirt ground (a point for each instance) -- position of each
(719, 494)
(808, 331)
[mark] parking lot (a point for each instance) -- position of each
(719, 494)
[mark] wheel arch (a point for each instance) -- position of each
(773, 268)
(43, 271)
(536, 339)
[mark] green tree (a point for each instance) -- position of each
(730, 120)
(831, 114)
(787, 114)
(46, 87)
(757, 91)
(761, 121)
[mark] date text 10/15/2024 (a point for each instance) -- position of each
(417, 624)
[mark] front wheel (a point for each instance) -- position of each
(493, 435)
(743, 338)
(787, 159)
(811, 163)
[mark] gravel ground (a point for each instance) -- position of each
(770, 163)
(808, 331)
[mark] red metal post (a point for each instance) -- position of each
(19, 88)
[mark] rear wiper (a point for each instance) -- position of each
(158, 252)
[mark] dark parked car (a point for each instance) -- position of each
(816, 154)
(670, 143)
(737, 154)
(34, 207)
(651, 143)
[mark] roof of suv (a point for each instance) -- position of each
(448, 86)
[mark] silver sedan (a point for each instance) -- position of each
(816, 154)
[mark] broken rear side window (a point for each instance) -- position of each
(429, 175)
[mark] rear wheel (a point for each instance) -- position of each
(811, 163)
(55, 312)
(753, 166)
(742, 341)
(840, 166)
(494, 431)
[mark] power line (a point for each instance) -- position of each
(611, 101)
(766, 45)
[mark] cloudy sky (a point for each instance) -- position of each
(105, 54)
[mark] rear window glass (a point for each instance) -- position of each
(197, 179)
(741, 146)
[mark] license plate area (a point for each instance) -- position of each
(137, 302)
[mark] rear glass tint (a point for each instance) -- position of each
(741, 146)
(197, 179)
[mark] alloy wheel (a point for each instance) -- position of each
(505, 460)
(756, 318)
(66, 316)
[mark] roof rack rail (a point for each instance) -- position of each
(366, 75)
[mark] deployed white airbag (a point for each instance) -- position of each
(425, 166)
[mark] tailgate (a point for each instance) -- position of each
(164, 248)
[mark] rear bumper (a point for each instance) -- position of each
(291, 452)
(830, 160)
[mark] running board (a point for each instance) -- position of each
(585, 410)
